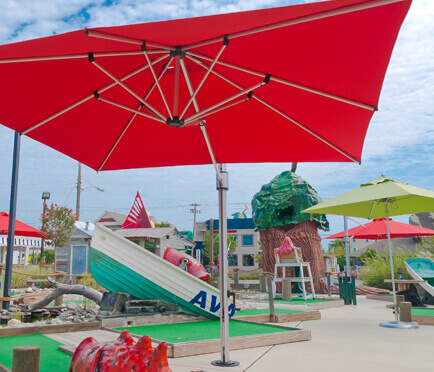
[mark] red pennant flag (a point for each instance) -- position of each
(138, 217)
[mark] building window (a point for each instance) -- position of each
(248, 260)
(354, 240)
(367, 240)
(247, 240)
(233, 260)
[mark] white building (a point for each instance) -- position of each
(246, 240)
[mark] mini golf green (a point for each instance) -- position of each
(300, 300)
(199, 331)
(51, 358)
(266, 311)
(422, 312)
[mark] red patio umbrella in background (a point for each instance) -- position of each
(21, 229)
(377, 229)
(296, 83)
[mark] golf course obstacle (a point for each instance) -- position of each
(120, 355)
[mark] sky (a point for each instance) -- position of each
(399, 141)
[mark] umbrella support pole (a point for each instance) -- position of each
(222, 187)
(12, 217)
(389, 246)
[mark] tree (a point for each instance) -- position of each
(58, 223)
(337, 248)
(205, 252)
(427, 245)
(367, 255)
(163, 224)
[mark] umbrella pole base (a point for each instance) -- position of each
(229, 363)
(400, 325)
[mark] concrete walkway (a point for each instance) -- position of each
(346, 338)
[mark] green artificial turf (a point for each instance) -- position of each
(199, 331)
(51, 358)
(299, 300)
(266, 311)
(90, 302)
(422, 312)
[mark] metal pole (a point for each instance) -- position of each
(347, 246)
(77, 207)
(389, 246)
(12, 216)
(222, 187)
(44, 209)
(211, 247)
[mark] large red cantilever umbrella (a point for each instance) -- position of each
(299, 83)
(377, 229)
(21, 229)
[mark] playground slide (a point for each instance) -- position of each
(422, 269)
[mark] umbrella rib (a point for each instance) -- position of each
(124, 39)
(118, 139)
(189, 86)
(225, 43)
(279, 112)
(221, 103)
(134, 94)
(220, 108)
(129, 108)
(66, 109)
(159, 77)
(156, 80)
(303, 19)
(133, 117)
(311, 132)
(289, 83)
(211, 152)
(202, 122)
(77, 56)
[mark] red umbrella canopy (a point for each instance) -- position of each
(377, 229)
(21, 229)
(295, 83)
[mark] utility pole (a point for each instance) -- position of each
(195, 211)
(77, 206)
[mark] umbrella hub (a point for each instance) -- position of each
(175, 122)
(177, 52)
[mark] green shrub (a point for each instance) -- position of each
(19, 280)
(378, 268)
(254, 276)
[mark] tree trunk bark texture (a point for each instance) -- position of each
(61, 289)
(305, 236)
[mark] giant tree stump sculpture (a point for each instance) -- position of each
(276, 213)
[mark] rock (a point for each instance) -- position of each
(76, 319)
(80, 306)
(65, 314)
(71, 306)
(29, 290)
(114, 302)
(70, 317)
(14, 322)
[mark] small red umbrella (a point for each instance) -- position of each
(21, 229)
(377, 229)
